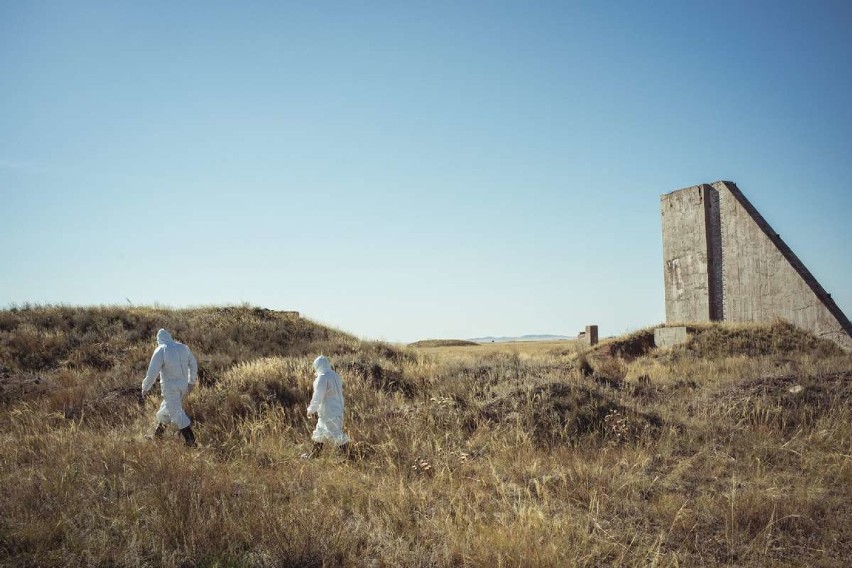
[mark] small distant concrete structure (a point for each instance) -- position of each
(723, 262)
(590, 336)
(670, 336)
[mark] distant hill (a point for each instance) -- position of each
(520, 338)
(443, 343)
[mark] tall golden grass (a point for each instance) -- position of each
(735, 449)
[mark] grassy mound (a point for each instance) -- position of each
(716, 340)
(49, 338)
(779, 338)
(627, 347)
(557, 413)
(443, 343)
(88, 363)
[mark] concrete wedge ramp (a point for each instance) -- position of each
(724, 262)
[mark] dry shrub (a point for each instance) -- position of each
(562, 413)
(381, 376)
(251, 389)
(609, 371)
(17, 387)
(787, 403)
(31, 349)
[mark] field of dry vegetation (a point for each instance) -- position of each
(735, 449)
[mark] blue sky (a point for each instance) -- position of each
(404, 170)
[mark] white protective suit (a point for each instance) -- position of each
(178, 370)
(327, 402)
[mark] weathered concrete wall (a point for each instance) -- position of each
(763, 279)
(685, 255)
(589, 336)
(724, 262)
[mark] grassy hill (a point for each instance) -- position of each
(732, 449)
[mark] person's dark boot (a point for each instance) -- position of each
(314, 451)
(158, 432)
(346, 450)
(188, 436)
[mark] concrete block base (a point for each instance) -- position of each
(670, 336)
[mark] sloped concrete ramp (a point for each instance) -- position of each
(724, 262)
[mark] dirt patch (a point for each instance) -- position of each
(563, 413)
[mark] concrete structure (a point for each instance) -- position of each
(723, 262)
(670, 336)
(589, 336)
(592, 334)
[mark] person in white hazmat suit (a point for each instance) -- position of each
(178, 370)
(327, 403)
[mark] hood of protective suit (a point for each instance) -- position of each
(164, 337)
(322, 365)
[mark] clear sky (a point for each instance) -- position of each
(406, 170)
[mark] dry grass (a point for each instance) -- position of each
(503, 455)
(473, 351)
